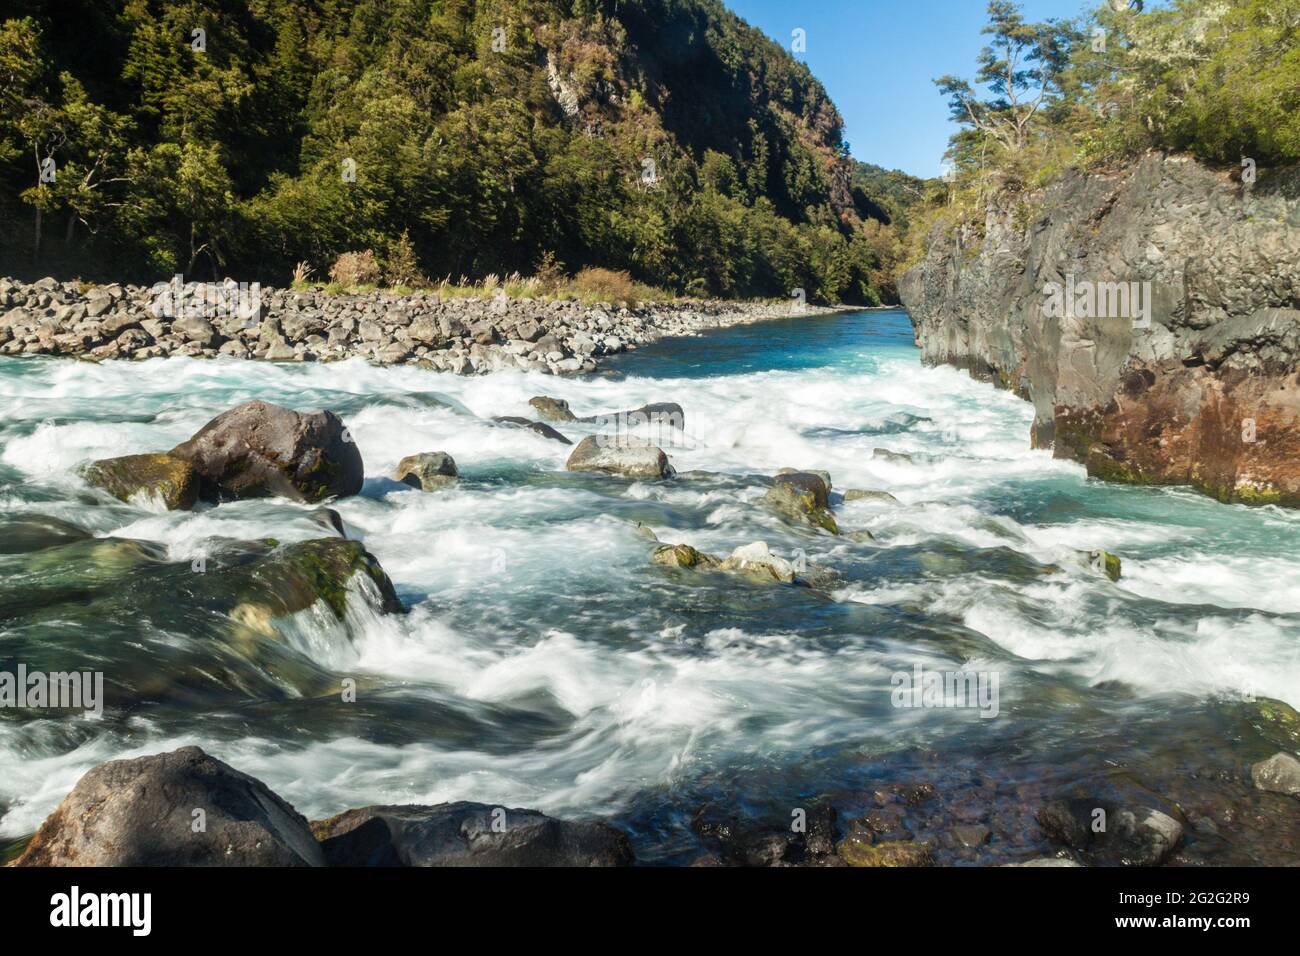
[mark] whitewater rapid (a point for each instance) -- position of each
(569, 675)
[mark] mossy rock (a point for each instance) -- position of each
(857, 850)
(172, 480)
(293, 577)
(683, 556)
(803, 496)
(1106, 562)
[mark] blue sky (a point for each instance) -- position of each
(877, 59)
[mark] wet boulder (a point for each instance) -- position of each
(167, 478)
(552, 409)
(466, 834)
(825, 476)
(683, 556)
(259, 450)
(1280, 773)
(627, 457)
(427, 471)
(803, 497)
(183, 808)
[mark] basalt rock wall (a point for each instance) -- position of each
(1194, 380)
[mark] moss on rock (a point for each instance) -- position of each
(172, 480)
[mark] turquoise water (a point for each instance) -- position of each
(546, 663)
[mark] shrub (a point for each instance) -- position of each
(355, 268)
(604, 285)
(401, 266)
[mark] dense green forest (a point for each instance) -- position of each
(1216, 79)
(243, 137)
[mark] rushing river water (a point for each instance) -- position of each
(546, 663)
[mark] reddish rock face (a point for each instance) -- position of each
(1231, 435)
(1198, 385)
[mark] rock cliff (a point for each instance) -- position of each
(1152, 316)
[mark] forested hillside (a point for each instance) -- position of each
(664, 137)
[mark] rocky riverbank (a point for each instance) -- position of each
(1152, 316)
(466, 335)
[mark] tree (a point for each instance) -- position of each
(1021, 67)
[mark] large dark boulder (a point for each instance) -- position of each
(142, 812)
(259, 450)
(466, 834)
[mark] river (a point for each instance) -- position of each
(546, 663)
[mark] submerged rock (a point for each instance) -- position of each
(1114, 835)
(628, 457)
(22, 535)
(182, 808)
(171, 479)
(859, 494)
(740, 843)
(1046, 861)
(427, 470)
(258, 450)
(552, 409)
(860, 848)
(466, 834)
(803, 496)
(1280, 773)
(897, 457)
(546, 431)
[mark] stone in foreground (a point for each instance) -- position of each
(259, 450)
(1280, 773)
(427, 471)
(466, 834)
(171, 480)
(142, 812)
(628, 457)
